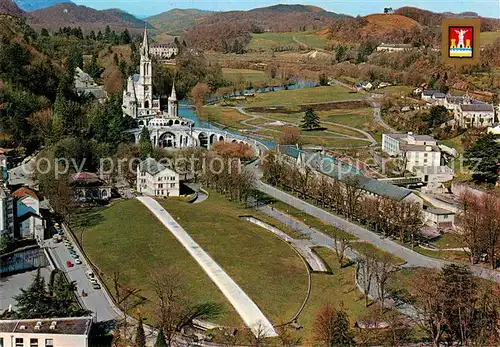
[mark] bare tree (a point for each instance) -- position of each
(353, 193)
(383, 268)
(341, 245)
(286, 336)
(256, 336)
(364, 274)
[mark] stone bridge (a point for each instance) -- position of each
(179, 136)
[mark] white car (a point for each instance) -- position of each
(78, 261)
(93, 281)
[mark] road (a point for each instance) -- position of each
(412, 258)
(97, 301)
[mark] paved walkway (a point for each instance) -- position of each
(247, 309)
(412, 258)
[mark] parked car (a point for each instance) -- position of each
(57, 238)
(72, 251)
(74, 255)
(90, 274)
(93, 281)
(69, 263)
(78, 261)
(96, 285)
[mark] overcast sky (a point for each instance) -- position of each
(489, 8)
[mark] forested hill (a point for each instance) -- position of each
(224, 29)
(69, 14)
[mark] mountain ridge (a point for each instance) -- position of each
(32, 5)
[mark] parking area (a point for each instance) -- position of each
(10, 286)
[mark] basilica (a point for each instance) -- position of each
(166, 128)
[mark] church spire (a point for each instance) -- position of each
(173, 96)
(145, 42)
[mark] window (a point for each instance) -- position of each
(1, 341)
(445, 216)
(160, 185)
(19, 342)
(49, 343)
(33, 342)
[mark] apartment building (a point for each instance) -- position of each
(155, 179)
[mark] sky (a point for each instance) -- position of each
(487, 8)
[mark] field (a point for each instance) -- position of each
(139, 247)
(488, 37)
(229, 117)
(293, 40)
(246, 76)
(246, 252)
(394, 90)
(302, 96)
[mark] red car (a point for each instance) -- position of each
(69, 263)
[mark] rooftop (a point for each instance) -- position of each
(151, 166)
(24, 192)
(438, 211)
(396, 45)
(65, 326)
(477, 107)
(430, 92)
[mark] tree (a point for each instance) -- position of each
(140, 336)
(436, 116)
(160, 339)
(331, 327)
(145, 145)
(290, 136)
(341, 246)
(33, 302)
(482, 157)
(323, 79)
(310, 120)
(365, 265)
(44, 32)
(198, 95)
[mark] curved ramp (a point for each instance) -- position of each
(246, 308)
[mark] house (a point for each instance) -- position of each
(414, 150)
(439, 218)
(428, 93)
(394, 47)
(452, 103)
(85, 85)
(6, 212)
(29, 222)
(88, 187)
(437, 99)
(475, 115)
(384, 84)
(155, 179)
(54, 332)
(164, 51)
(364, 85)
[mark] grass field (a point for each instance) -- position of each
(302, 96)
(229, 117)
(247, 76)
(269, 41)
(488, 37)
(394, 90)
(140, 246)
(455, 142)
(368, 248)
(449, 240)
(248, 253)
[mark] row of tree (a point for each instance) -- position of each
(402, 219)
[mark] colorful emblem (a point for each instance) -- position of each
(460, 42)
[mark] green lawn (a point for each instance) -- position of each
(455, 142)
(246, 76)
(449, 240)
(302, 96)
(229, 117)
(311, 221)
(488, 37)
(140, 246)
(367, 248)
(265, 267)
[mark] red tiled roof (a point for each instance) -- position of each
(23, 192)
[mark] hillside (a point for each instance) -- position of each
(69, 14)
(378, 24)
(176, 21)
(220, 31)
(32, 5)
(10, 8)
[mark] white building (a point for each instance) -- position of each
(55, 332)
(28, 219)
(453, 103)
(155, 179)
(439, 218)
(394, 47)
(414, 150)
(164, 51)
(138, 99)
(427, 94)
(475, 115)
(6, 213)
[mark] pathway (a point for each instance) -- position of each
(247, 309)
(412, 258)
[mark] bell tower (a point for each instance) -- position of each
(172, 103)
(145, 79)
